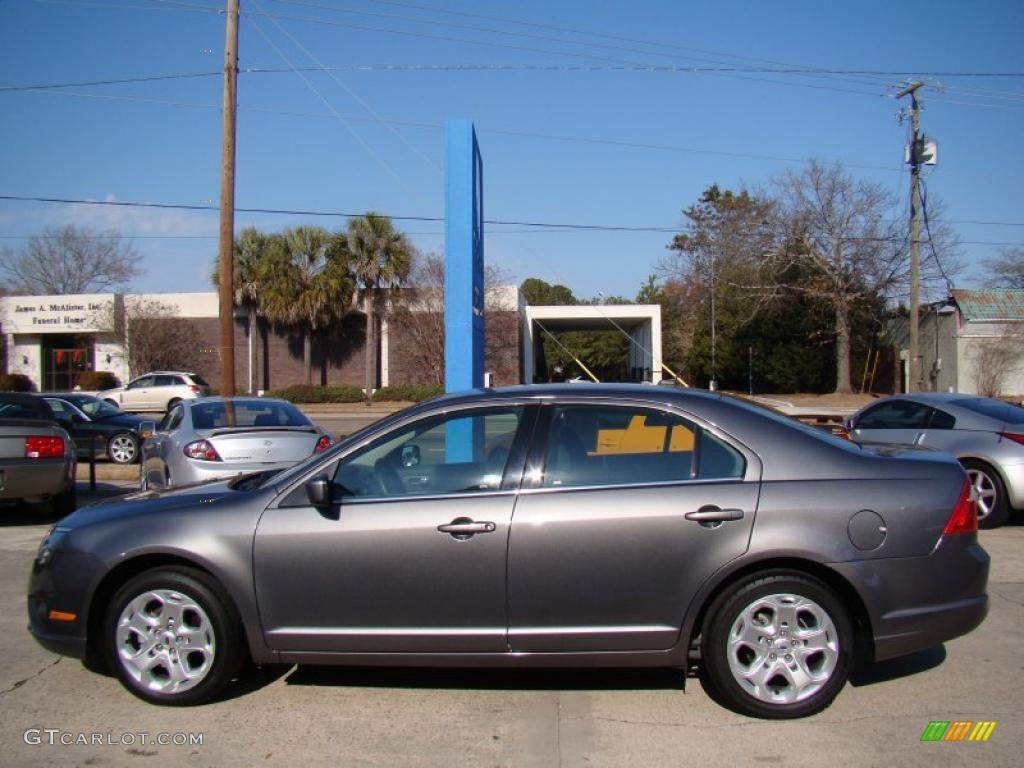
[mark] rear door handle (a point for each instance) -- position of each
(712, 514)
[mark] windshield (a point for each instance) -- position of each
(213, 414)
(95, 408)
(781, 418)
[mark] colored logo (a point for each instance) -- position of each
(958, 730)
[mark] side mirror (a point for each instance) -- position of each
(318, 491)
(410, 455)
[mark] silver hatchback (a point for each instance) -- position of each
(985, 435)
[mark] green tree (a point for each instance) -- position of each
(539, 293)
(312, 285)
(381, 258)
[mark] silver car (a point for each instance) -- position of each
(572, 525)
(985, 435)
(200, 440)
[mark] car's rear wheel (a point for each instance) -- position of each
(172, 637)
(123, 448)
(171, 403)
(992, 507)
(776, 645)
(112, 402)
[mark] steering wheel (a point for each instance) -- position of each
(388, 479)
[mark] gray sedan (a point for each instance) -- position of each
(211, 438)
(986, 435)
(573, 525)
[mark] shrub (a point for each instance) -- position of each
(412, 393)
(15, 382)
(308, 393)
(97, 380)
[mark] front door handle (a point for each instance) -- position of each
(712, 515)
(463, 527)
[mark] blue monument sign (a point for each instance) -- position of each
(463, 281)
(464, 259)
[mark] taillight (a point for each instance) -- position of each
(201, 449)
(44, 447)
(1015, 438)
(322, 444)
(965, 514)
(194, 388)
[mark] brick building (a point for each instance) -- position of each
(53, 339)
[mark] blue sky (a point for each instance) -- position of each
(572, 127)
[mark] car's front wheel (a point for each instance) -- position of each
(122, 448)
(777, 645)
(172, 637)
(993, 509)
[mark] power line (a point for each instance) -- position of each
(534, 225)
(117, 81)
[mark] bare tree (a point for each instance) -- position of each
(69, 260)
(841, 232)
(1007, 269)
(994, 358)
(419, 313)
(154, 337)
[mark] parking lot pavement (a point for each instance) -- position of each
(345, 716)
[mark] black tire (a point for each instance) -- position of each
(208, 618)
(118, 450)
(993, 509)
(171, 403)
(66, 502)
(819, 618)
(113, 403)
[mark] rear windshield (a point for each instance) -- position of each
(252, 413)
(994, 409)
(24, 407)
(198, 379)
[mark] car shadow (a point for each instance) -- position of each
(894, 669)
(490, 679)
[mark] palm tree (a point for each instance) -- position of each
(311, 285)
(381, 258)
(251, 272)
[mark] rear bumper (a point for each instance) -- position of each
(37, 480)
(917, 603)
(204, 471)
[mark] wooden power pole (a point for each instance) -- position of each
(225, 253)
(914, 382)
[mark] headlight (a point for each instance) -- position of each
(50, 543)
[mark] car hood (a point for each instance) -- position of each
(151, 502)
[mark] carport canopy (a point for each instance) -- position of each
(641, 322)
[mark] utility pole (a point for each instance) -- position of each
(914, 383)
(225, 253)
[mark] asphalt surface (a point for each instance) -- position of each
(315, 716)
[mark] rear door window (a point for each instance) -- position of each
(611, 445)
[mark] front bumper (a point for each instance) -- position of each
(919, 602)
(63, 584)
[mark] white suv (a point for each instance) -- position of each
(156, 391)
